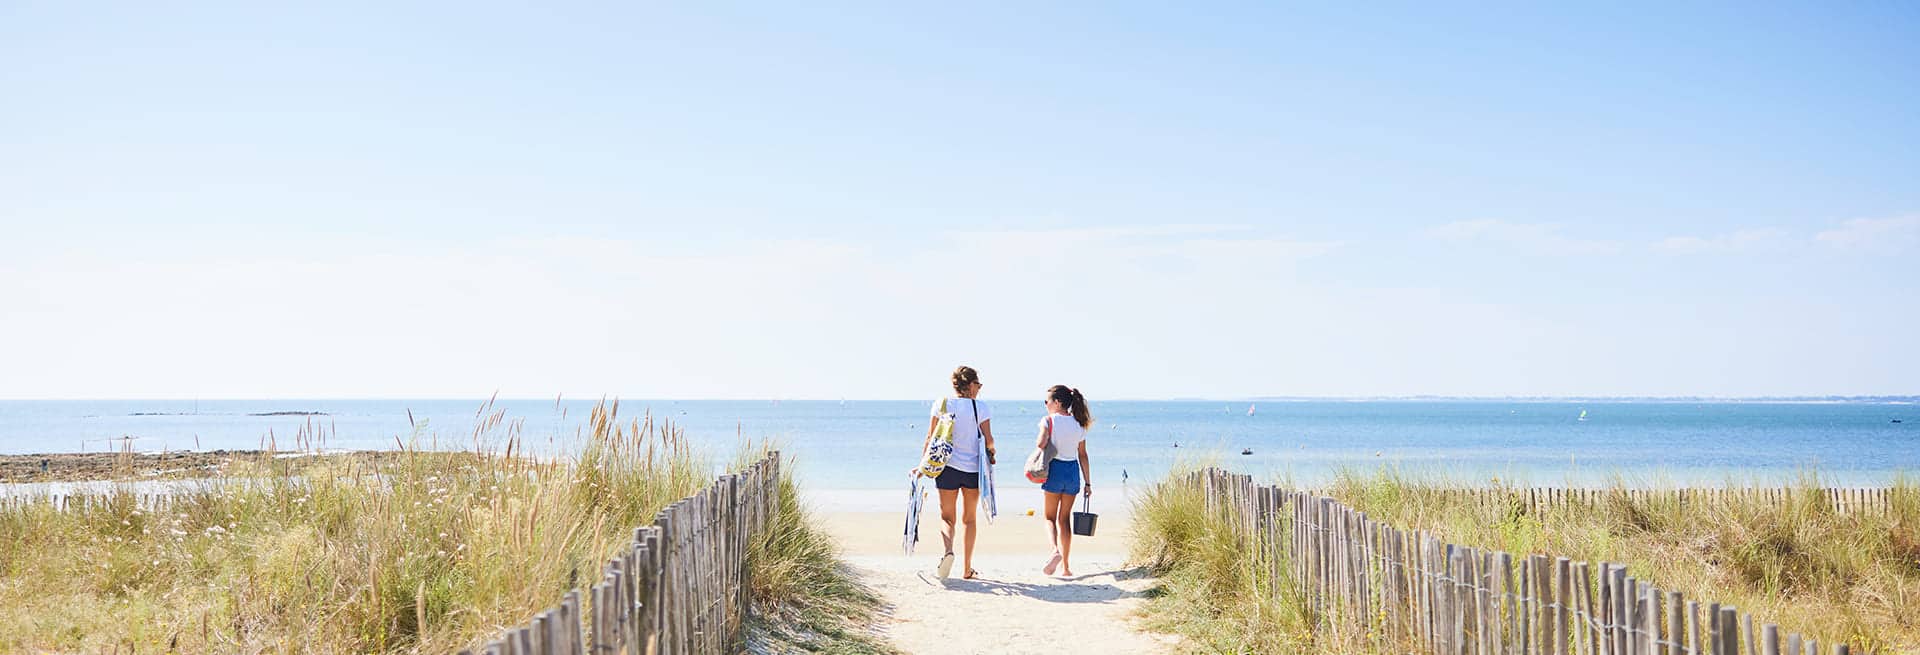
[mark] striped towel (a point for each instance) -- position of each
(911, 535)
(986, 480)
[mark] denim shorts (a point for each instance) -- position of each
(1063, 477)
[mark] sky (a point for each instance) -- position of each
(825, 200)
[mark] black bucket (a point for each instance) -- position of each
(1083, 522)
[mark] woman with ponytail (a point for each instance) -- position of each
(1068, 474)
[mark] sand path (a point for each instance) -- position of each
(1012, 607)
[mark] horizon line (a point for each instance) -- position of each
(1911, 398)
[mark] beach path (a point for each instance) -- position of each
(1012, 607)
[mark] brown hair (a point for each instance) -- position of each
(1070, 399)
(963, 377)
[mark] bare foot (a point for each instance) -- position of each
(1066, 572)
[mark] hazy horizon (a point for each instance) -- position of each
(1866, 399)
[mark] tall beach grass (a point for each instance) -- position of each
(806, 599)
(1843, 577)
(427, 552)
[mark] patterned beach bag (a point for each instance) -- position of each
(940, 447)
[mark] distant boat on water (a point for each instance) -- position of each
(1249, 410)
(1583, 415)
(1246, 451)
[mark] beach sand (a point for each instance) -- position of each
(1012, 607)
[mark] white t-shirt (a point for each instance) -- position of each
(1067, 435)
(966, 430)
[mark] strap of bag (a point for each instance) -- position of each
(976, 419)
(1086, 503)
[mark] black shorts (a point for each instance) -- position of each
(952, 478)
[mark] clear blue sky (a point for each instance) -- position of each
(1143, 200)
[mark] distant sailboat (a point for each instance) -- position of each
(1249, 410)
(1583, 415)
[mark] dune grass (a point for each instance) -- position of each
(427, 552)
(1210, 583)
(806, 599)
(1844, 578)
(1849, 578)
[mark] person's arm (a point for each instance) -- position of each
(1086, 470)
(986, 432)
(1046, 433)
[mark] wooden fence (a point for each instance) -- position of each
(679, 588)
(1839, 500)
(1364, 577)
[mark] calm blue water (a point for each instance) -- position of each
(870, 444)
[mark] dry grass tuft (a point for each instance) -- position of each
(425, 552)
(1843, 577)
(806, 599)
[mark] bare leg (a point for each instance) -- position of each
(946, 517)
(1064, 522)
(1048, 505)
(972, 500)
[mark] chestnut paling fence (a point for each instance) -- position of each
(680, 587)
(1414, 589)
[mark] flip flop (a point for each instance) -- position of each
(1052, 564)
(946, 565)
(971, 574)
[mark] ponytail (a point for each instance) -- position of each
(1075, 403)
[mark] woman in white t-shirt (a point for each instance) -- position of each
(1068, 474)
(959, 482)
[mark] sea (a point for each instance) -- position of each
(855, 454)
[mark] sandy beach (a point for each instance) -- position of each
(1012, 607)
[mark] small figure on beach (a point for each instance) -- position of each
(959, 483)
(1068, 474)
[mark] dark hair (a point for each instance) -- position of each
(964, 377)
(1071, 400)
